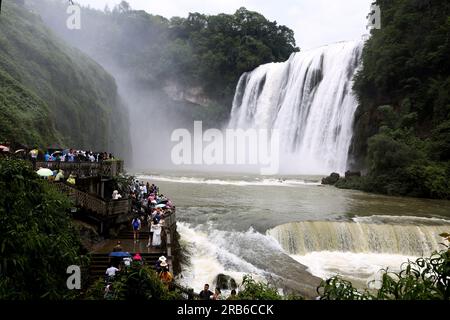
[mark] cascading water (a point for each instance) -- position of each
(300, 238)
(359, 250)
(309, 100)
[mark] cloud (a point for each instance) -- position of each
(315, 22)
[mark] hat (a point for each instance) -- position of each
(163, 264)
(162, 258)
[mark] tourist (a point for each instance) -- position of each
(165, 276)
(60, 176)
(233, 295)
(138, 259)
(71, 179)
(217, 294)
(158, 263)
(156, 228)
(127, 262)
(46, 157)
(111, 272)
(118, 247)
(205, 294)
(136, 224)
(34, 155)
(116, 195)
(109, 292)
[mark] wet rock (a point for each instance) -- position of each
(331, 179)
(225, 282)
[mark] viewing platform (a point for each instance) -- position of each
(108, 168)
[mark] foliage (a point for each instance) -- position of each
(207, 53)
(403, 121)
(253, 290)
(139, 283)
(37, 239)
(423, 279)
(52, 94)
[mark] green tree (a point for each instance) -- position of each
(37, 239)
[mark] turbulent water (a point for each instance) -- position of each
(309, 100)
(272, 227)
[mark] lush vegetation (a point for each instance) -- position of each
(254, 290)
(424, 279)
(37, 239)
(139, 283)
(200, 57)
(402, 129)
(52, 94)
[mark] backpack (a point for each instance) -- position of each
(136, 223)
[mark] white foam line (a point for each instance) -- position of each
(240, 183)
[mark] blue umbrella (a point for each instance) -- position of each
(120, 254)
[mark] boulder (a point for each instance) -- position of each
(331, 179)
(225, 282)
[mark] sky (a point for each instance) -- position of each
(315, 22)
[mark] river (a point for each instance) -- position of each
(272, 227)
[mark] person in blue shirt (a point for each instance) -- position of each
(47, 156)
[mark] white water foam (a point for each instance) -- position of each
(360, 268)
(209, 257)
(240, 183)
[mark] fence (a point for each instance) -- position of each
(94, 203)
(85, 168)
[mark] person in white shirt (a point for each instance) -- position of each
(111, 271)
(116, 195)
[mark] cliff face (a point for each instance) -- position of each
(406, 68)
(52, 94)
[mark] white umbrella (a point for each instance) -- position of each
(160, 206)
(4, 148)
(44, 172)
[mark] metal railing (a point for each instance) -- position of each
(109, 168)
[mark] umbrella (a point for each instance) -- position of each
(57, 152)
(120, 254)
(44, 172)
(20, 150)
(4, 148)
(160, 206)
(163, 201)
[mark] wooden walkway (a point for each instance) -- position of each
(100, 259)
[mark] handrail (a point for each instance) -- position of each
(93, 202)
(110, 168)
(189, 292)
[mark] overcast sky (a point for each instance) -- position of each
(315, 22)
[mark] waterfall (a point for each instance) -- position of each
(300, 238)
(309, 100)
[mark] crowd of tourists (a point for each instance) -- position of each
(149, 208)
